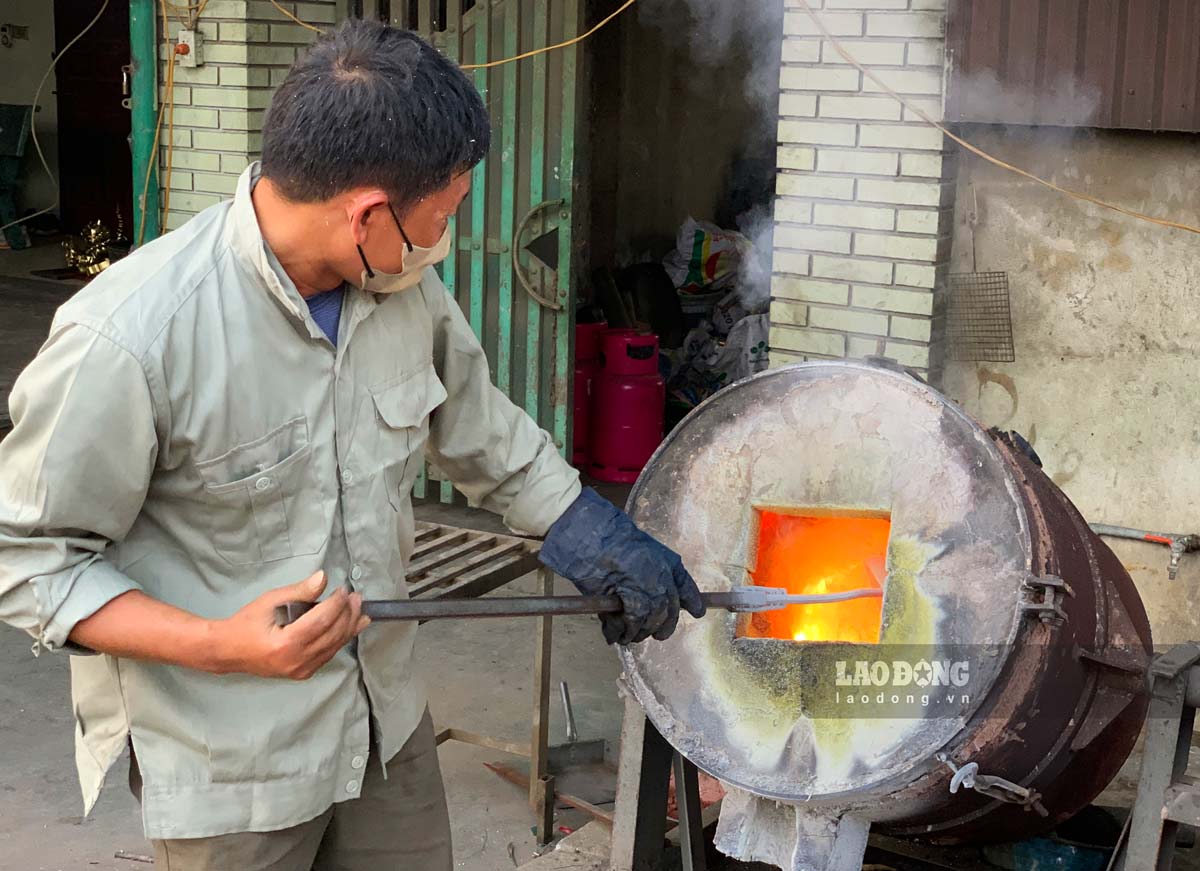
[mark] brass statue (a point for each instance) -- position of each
(89, 252)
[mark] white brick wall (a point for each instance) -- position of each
(864, 187)
(219, 105)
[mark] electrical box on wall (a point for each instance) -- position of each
(9, 32)
(193, 42)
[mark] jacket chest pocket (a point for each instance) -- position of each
(265, 504)
(402, 421)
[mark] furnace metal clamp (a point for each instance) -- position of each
(992, 786)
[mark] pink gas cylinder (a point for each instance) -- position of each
(628, 402)
(587, 364)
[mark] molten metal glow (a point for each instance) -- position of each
(809, 554)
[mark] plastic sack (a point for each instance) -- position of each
(711, 364)
(706, 258)
(733, 308)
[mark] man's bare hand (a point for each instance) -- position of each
(252, 643)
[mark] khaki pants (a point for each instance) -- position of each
(397, 824)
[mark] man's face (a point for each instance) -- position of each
(422, 224)
(426, 221)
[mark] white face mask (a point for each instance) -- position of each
(416, 259)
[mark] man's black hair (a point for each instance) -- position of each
(372, 105)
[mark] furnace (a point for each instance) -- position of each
(993, 691)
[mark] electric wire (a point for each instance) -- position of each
(548, 48)
(496, 63)
(979, 152)
(302, 23)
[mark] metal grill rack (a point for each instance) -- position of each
(450, 562)
(979, 318)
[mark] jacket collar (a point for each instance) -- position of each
(245, 239)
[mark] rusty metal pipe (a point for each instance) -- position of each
(1180, 543)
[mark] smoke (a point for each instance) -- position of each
(724, 40)
(754, 274)
(1039, 129)
(736, 38)
(1061, 103)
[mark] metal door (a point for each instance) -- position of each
(511, 266)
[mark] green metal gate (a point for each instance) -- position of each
(512, 260)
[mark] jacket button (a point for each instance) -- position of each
(357, 762)
(347, 476)
(352, 786)
(355, 574)
(262, 483)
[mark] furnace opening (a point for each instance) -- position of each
(810, 553)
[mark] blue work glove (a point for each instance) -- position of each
(597, 547)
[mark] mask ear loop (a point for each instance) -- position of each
(400, 227)
(366, 266)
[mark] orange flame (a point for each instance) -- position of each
(806, 555)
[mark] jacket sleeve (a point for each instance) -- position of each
(73, 476)
(493, 451)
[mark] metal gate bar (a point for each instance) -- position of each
(537, 190)
(564, 324)
(518, 304)
(508, 192)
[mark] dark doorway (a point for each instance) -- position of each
(95, 170)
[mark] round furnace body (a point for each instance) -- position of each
(1009, 642)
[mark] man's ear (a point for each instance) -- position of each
(363, 211)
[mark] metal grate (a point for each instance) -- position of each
(978, 318)
(455, 563)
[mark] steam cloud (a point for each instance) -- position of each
(717, 33)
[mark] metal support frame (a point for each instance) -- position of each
(454, 563)
(643, 788)
(541, 781)
(451, 562)
(1166, 796)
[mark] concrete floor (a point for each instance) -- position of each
(481, 670)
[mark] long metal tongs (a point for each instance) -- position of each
(741, 600)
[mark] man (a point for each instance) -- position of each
(232, 418)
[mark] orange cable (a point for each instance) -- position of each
(544, 49)
(495, 63)
(166, 206)
(311, 27)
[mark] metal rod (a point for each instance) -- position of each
(741, 600)
(521, 779)
(1111, 531)
(541, 781)
(474, 738)
(551, 606)
(569, 713)
(1179, 543)
(518, 606)
(687, 802)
